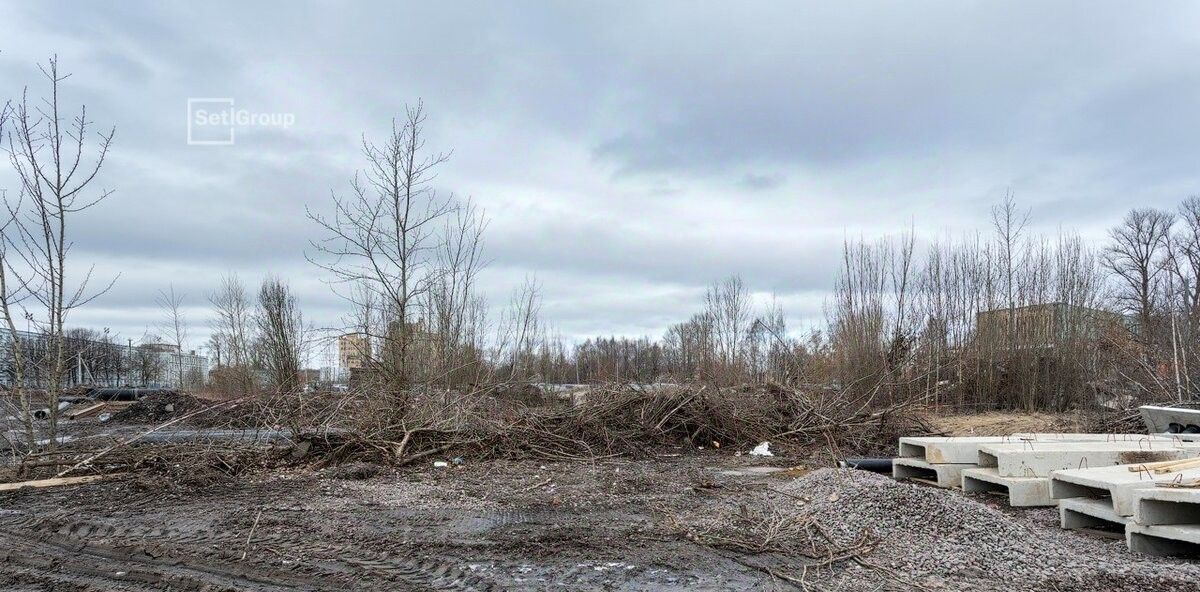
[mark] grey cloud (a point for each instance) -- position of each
(628, 156)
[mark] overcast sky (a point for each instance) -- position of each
(627, 153)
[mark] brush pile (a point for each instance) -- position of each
(608, 420)
(499, 421)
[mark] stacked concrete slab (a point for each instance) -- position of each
(1019, 466)
(1166, 521)
(1139, 501)
(939, 460)
(1022, 471)
(1108, 489)
(1108, 482)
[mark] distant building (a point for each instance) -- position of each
(1045, 325)
(354, 350)
(92, 358)
(175, 365)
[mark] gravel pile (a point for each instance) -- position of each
(944, 539)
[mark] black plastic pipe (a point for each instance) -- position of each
(125, 393)
(875, 465)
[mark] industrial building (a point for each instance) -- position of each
(1045, 326)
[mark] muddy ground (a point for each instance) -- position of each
(491, 526)
(494, 525)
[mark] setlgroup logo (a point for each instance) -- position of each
(214, 121)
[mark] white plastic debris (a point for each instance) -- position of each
(441, 464)
(763, 449)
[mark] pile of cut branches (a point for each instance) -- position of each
(606, 420)
(192, 463)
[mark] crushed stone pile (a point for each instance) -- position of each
(937, 536)
(158, 407)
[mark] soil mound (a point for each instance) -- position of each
(158, 407)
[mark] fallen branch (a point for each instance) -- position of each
(39, 483)
(251, 535)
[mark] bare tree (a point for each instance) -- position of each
(688, 347)
(50, 155)
(282, 336)
(381, 242)
(147, 365)
(174, 326)
(454, 323)
(1182, 294)
(727, 304)
(521, 331)
(1184, 258)
(1136, 257)
(232, 320)
(1009, 224)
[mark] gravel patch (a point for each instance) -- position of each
(944, 539)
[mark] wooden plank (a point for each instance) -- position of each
(1162, 464)
(55, 482)
(86, 411)
(1187, 464)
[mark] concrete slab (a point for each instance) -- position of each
(1171, 540)
(1039, 459)
(944, 475)
(1082, 512)
(1022, 492)
(1159, 419)
(946, 450)
(1091, 437)
(1115, 484)
(964, 449)
(1167, 505)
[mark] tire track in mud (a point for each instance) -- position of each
(56, 557)
(203, 559)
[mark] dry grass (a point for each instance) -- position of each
(1003, 423)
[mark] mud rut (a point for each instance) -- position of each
(107, 556)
